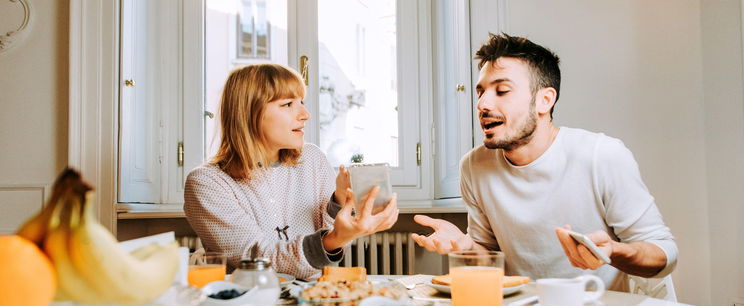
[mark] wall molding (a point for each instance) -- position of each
(10, 38)
(94, 99)
(27, 187)
(10, 223)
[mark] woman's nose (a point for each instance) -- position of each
(304, 115)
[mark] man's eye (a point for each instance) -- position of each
(502, 92)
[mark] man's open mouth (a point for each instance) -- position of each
(493, 124)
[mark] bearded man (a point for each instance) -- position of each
(532, 180)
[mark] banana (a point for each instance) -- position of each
(116, 275)
(89, 264)
(145, 251)
(70, 285)
(35, 229)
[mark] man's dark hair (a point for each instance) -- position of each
(542, 63)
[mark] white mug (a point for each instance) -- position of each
(568, 291)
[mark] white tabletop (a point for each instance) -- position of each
(610, 298)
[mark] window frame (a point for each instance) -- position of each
(95, 82)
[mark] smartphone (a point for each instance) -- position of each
(366, 176)
(584, 240)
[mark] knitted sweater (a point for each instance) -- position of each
(284, 211)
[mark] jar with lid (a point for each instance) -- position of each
(257, 272)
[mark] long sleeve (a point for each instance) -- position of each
(217, 210)
(630, 209)
(479, 228)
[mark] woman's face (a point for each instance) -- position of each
(283, 122)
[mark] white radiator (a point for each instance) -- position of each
(191, 242)
(382, 253)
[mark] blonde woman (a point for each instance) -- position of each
(266, 188)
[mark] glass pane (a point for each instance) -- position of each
(230, 42)
(245, 38)
(262, 30)
(358, 91)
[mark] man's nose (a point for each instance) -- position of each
(485, 103)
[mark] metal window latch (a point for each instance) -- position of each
(304, 69)
(418, 154)
(180, 153)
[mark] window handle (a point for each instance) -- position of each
(304, 69)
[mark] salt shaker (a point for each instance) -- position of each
(258, 272)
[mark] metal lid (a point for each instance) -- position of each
(257, 264)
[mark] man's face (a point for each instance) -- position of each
(506, 104)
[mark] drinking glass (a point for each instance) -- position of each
(477, 277)
(207, 267)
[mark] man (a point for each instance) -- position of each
(531, 180)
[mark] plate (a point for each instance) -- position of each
(289, 279)
(446, 289)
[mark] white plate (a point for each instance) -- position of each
(446, 289)
(289, 278)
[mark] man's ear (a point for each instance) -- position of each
(544, 100)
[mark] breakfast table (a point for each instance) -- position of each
(610, 298)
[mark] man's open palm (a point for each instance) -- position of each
(446, 237)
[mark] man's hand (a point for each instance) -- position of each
(347, 227)
(446, 237)
(343, 183)
(579, 255)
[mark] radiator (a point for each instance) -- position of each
(191, 242)
(382, 253)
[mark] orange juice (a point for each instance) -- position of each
(475, 285)
(204, 274)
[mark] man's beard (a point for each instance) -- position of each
(523, 137)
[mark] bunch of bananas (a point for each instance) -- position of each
(90, 265)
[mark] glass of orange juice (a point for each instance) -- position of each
(477, 277)
(207, 267)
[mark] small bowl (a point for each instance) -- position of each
(217, 286)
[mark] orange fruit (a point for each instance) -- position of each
(27, 276)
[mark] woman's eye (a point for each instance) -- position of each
(288, 104)
(502, 92)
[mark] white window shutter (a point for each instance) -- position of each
(141, 131)
(454, 111)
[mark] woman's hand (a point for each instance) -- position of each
(343, 183)
(347, 227)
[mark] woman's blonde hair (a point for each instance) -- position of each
(247, 91)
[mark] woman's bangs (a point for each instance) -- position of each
(289, 86)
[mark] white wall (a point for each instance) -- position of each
(33, 109)
(633, 70)
(724, 136)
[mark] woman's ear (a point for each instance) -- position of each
(544, 100)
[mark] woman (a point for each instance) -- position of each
(266, 189)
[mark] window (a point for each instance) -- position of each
(381, 87)
(253, 30)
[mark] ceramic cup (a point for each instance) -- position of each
(569, 291)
